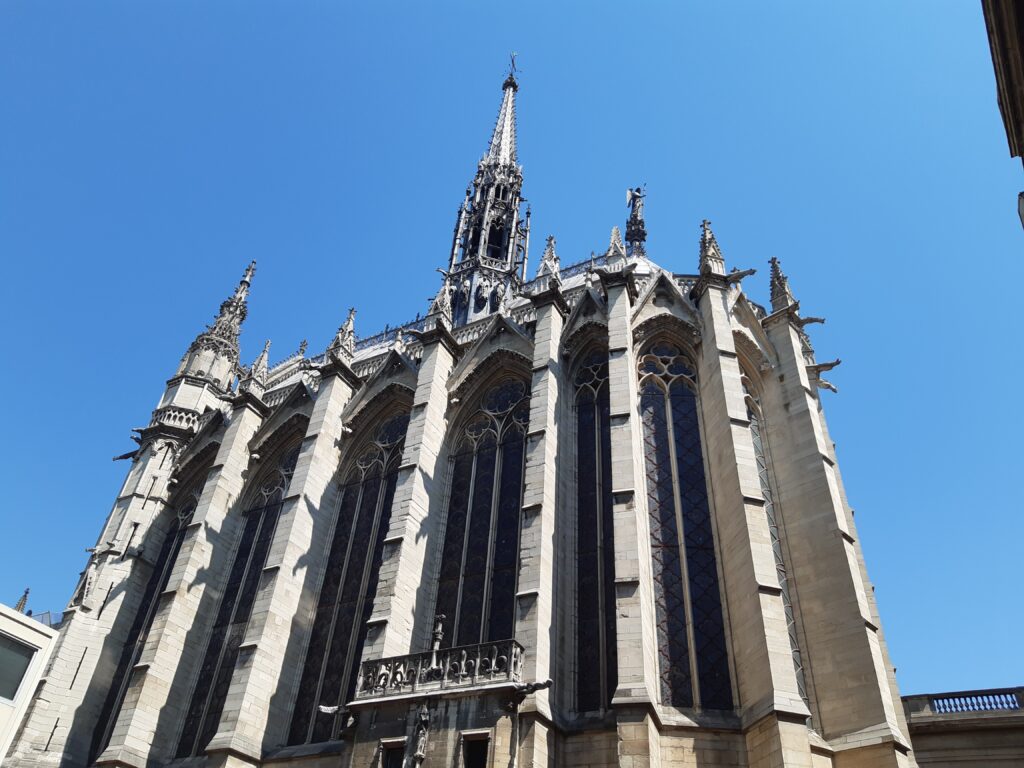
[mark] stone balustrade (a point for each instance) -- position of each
(1001, 700)
(467, 666)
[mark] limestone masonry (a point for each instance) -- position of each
(592, 518)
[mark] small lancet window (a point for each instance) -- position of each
(692, 657)
(349, 586)
(480, 553)
(218, 665)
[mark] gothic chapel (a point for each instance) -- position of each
(592, 518)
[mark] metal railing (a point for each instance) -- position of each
(441, 669)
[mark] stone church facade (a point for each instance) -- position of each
(588, 518)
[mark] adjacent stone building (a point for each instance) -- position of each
(588, 518)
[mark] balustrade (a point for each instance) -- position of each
(441, 669)
(1007, 700)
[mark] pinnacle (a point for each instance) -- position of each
(261, 365)
(781, 295)
(549, 262)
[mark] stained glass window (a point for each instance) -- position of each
(222, 649)
(349, 586)
(753, 414)
(480, 552)
(692, 657)
(143, 620)
(596, 656)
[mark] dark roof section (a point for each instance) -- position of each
(1005, 25)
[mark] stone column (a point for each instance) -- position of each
(62, 717)
(257, 711)
(402, 589)
(534, 600)
(844, 652)
(636, 644)
(765, 677)
(159, 692)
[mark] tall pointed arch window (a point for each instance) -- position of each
(182, 511)
(596, 655)
(692, 657)
(771, 513)
(480, 554)
(258, 525)
(349, 586)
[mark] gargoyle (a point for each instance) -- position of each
(737, 275)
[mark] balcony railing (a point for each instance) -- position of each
(992, 700)
(442, 669)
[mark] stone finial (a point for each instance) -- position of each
(22, 602)
(442, 302)
(260, 366)
(254, 379)
(711, 260)
(344, 343)
(781, 296)
(615, 243)
(550, 265)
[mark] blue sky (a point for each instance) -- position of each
(148, 151)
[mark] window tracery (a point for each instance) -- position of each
(692, 655)
(349, 585)
(596, 653)
(232, 620)
(138, 633)
(480, 552)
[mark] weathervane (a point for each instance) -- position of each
(512, 57)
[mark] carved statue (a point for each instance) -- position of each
(635, 201)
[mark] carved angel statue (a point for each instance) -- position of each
(635, 201)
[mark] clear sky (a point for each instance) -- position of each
(149, 150)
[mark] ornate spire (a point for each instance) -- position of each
(549, 262)
(214, 353)
(781, 296)
(345, 339)
(502, 149)
(489, 250)
(22, 602)
(711, 260)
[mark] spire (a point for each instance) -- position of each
(22, 602)
(345, 339)
(214, 353)
(781, 296)
(502, 149)
(711, 260)
(489, 248)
